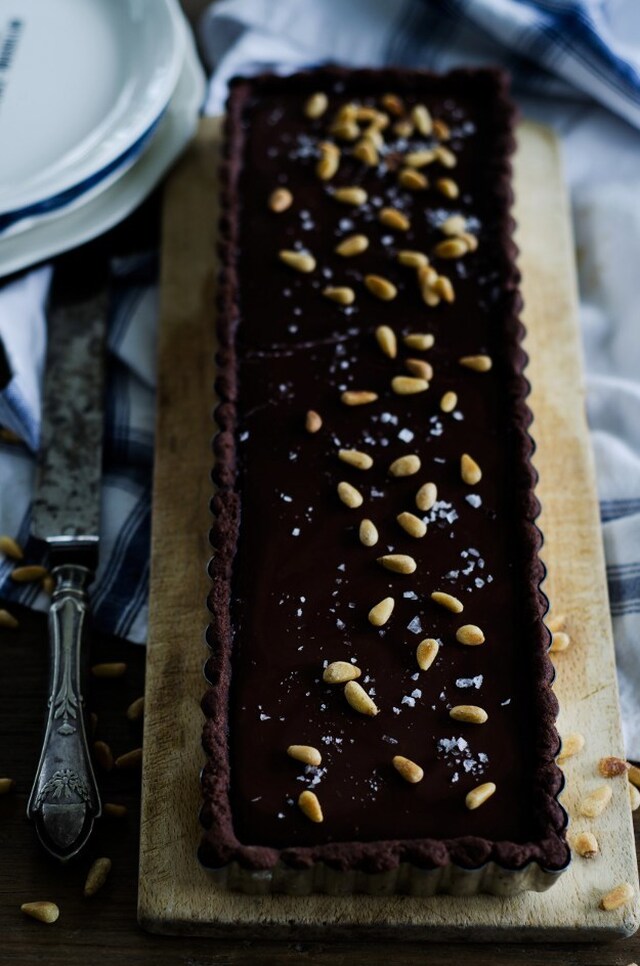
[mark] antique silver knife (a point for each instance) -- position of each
(66, 514)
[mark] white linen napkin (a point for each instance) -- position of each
(576, 66)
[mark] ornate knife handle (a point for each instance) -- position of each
(64, 800)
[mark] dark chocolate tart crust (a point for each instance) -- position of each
(292, 582)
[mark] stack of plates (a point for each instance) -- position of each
(97, 99)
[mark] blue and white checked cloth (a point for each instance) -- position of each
(576, 66)
(119, 594)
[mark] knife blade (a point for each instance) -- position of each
(64, 801)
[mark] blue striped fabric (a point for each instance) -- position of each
(119, 593)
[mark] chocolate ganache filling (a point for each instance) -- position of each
(403, 288)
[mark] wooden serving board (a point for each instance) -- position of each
(175, 894)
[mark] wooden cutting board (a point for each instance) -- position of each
(175, 894)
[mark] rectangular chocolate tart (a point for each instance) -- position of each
(380, 715)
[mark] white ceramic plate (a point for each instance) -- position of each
(68, 229)
(81, 82)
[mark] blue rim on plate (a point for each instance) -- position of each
(64, 198)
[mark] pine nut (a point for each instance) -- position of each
(447, 187)
(446, 157)
(403, 128)
(412, 180)
(353, 245)
(313, 421)
(340, 671)
(310, 806)
(8, 620)
(559, 642)
(469, 470)
(380, 614)
(557, 623)
(412, 524)
(394, 219)
(349, 495)
(345, 130)
(6, 784)
(96, 877)
(419, 340)
(359, 700)
(450, 248)
(620, 896)
(130, 760)
(469, 713)
(113, 669)
(408, 385)
(328, 162)
(426, 496)
(586, 845)
(572, 744)
(348, 112)
(412, 259)
(448, 601)
(427, 277)
(316, 105)
(479, 795)
(419, 368)
(366, 151)
(387, 341)
(426, 653)
(103, 755)
(350, 196)
(372, 114)
(408, 769)
(453, 225)
(612, 767)
(372, 133)
(280, 200)
(382, 288)
(368, 533)
(443, 287)
(448, 402)
(595, 802)
(11, 548)
(358, 397)
(113, 810)
(479, 363)
(136, 709)
(470, 634)
(307, 754)
(361, 461)
(634, 775)
(341, 294)
(299, 261)
(419, 159)
(441, 130)
(471, 241)
(405, 465)
(48, 584)
(28, 573)
(399, 563)
(422, 120)
(42, 911)
(392, 104)
(634, 796)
